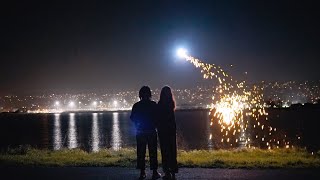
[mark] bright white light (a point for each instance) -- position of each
(71, 104)
(182, 53)
(57, 103)
(95, 103)
(115, 103)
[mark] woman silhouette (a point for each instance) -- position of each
(167, 133)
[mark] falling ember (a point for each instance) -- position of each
(234, 103)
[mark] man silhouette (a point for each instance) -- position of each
(143, 115)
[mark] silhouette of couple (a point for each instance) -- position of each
(154, 120)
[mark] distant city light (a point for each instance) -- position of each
(57, 103)
(95, 103)
(182, 53)
(71, 104)
(115, 103)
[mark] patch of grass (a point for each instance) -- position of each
(249, 158)
(245, 158)
(74, 157)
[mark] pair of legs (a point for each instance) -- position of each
(168, 145)
(144, 140)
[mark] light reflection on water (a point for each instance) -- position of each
(96, 130)
(104, 131)
(116, 137)
(72, 132)
(95, 133)
(208, 131)
(57, 137)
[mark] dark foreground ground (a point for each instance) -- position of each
(59, 173)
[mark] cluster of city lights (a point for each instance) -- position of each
(292, 92)
(276, 95)
(236, 108)
(58, 107)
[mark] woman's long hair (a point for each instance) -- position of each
(166, 98)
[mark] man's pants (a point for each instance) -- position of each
(144, 139)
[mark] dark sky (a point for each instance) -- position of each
(78, 45)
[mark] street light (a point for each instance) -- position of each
(94, 103)
(71, 104)
(115, 103)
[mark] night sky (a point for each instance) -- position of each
(85, 46)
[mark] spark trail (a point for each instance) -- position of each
(237, 108)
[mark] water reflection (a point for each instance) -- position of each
(208, 131)
(95, 133)
(116, 137)
(72, 132)
(57, 137)
(243, 134)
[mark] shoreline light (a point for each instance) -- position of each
(115, 103)
(71, 104)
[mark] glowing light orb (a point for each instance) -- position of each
(71, 104)
(182, 53)
(115, 103)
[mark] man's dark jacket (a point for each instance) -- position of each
(143, 115)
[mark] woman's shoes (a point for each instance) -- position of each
(156, 175)
(142, 175)
(173, 176)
